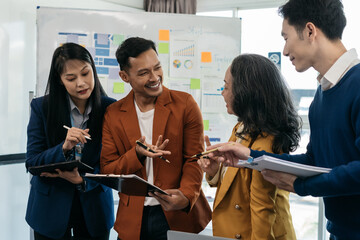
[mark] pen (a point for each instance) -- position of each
(66, 127)
(150, 150)
(206, 152)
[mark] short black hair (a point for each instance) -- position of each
(327, 15)
(262, 102)
(132, 47)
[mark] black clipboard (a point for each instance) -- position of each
(63, 166)
(131, 184)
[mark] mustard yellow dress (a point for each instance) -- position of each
(248, 207)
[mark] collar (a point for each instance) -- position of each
(74, 107)
(338, 69)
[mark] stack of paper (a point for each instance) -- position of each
(276, 164)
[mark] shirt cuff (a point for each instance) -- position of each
(212, 181)
(299, 187)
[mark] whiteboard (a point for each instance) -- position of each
(194, 51)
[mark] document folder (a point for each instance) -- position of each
(63, 166)
(276, 164)
(131, 184)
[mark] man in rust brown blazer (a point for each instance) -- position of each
(170, 123)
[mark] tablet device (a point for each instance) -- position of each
(63, 166)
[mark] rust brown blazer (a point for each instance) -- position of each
(178, 118)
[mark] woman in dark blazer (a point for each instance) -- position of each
(63, 204)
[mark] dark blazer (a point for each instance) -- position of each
(50, 199)
(177, 117)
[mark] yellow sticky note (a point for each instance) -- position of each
(206, 125)
(205, 57)
(164, 35)
(163, 47)
(194, 83)
(118, 87)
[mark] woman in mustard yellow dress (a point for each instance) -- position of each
(246, 206)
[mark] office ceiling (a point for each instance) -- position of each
(213, 5)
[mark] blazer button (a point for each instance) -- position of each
(237, 206)
(237, 236)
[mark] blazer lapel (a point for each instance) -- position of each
(129, 119)
(229, 177)
(161, 117)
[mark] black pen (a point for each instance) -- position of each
(150, 150)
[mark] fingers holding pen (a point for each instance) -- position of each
(207, 164)
(74, 136)
(153, 151)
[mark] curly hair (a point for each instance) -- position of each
(262, 102)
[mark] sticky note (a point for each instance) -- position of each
(205, 57)
(118, 87)
(118, 39)
(163, 48)
(164, 35)
(206, 125)
(194, 83)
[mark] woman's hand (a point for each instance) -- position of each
(73, 137)
(229, 153)
(207, 164)
(71, 176)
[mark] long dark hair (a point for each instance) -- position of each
(56, 103)
(262, 102)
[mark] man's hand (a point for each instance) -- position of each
(158, 148)
(176, 200)
(71, 176)
(282, 180)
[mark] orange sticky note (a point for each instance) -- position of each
(164, 35)
(205, 57)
